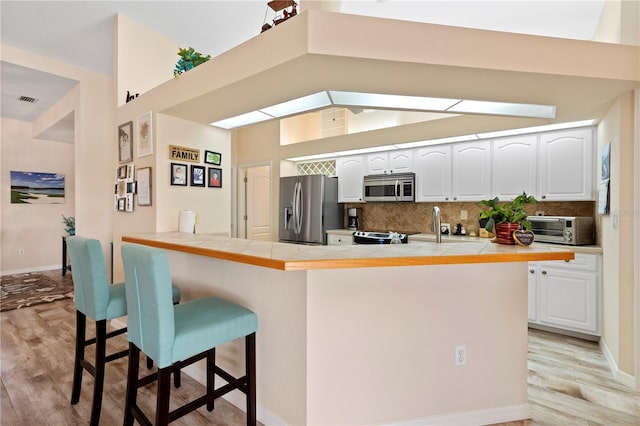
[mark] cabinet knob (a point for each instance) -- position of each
(455, 198)
(544, 272)
(543, 197)
(446, 198)
(533, 271)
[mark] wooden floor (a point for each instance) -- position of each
(569, 380)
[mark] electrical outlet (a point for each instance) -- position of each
(445, 228)
(20, 252)
(463, 215)
(539, 212)
(460, 355)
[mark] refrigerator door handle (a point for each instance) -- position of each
(298, 209)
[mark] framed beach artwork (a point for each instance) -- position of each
(37, 188)
(125, 142)
(145, 135)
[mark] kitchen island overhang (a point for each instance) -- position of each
(372, 344)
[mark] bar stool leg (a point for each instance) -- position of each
(132, 384)
(211, 376)
(250, 362)
(101, 353)
(81, 327)
(162, 403)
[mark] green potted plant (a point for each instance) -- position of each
(70, 224)
(506, 217)
(189, 59)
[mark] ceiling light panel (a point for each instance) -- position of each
(504, 108)
(242, 120)
(375, 100)
(299, 105)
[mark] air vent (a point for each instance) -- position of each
(28, 99)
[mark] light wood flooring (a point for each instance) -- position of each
(569, 380)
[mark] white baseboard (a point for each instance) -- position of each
(475, 417)
(622, 377)
(33, 269)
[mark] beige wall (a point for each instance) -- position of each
(92, 152)
(617, 233)
(36, 228)
(145, 58)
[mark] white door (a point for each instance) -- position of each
(433, 173)
(401, 161)
(514, 164)
(350, 171)
(471, 171)
(257, 216)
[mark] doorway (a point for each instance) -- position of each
(254, 202)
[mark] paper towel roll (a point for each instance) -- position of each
(187, 222)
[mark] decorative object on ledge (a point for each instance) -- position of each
(131, 97)
(189, 59)
(507, 217)
(211, 157)
(70, 225)
(215, 177)
(290, 10)
(125, 142)
(145, 135)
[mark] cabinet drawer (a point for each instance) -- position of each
(339, 239)
(582, 262)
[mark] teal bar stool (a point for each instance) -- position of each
(97, 299)
(176, 336)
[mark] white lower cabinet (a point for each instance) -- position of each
(335, 240)
(567, 295)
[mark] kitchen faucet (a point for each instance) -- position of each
(435, 225)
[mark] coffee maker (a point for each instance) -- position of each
(354, 218)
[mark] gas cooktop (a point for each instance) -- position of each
(368, 237)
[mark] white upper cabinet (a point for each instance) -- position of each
(471, 180)
(350, 171)
(566, 166)
(514, 165)
(433, 173)
(388, 162)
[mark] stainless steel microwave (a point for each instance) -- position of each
(571, 230)
(393, 187)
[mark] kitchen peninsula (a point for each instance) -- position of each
(367, 334)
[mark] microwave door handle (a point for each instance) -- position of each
(396, 189)
(547, 219)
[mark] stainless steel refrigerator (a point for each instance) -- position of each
(308, 207)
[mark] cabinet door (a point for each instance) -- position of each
(377, 163)
(471, 171)
(350, 171)
(401, 161)
(514, 165)
(566, 165)
(433, 173)
(335, 240)
(533, 292)
(568, 299)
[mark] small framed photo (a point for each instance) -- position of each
(178, 174)
(145, 135)
(211, 157)
(197, 175)
(125, 142)
(129, 175)
(122, 172)
(143, 180)
(215, 177)
(128, 203)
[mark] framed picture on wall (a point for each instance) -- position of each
(197, 175)
(178, 174)
(143, 179)
(215, 177)
(211, 157)
(125, 142)
(145, 135)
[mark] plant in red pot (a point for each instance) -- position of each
(507, 217)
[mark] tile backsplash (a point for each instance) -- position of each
(416, 217)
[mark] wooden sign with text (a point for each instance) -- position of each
(183, 153)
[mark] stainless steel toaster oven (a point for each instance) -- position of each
(571, 230)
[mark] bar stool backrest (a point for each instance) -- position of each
(149, 301)
(90, 283)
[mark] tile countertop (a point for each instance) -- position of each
(292, 257)
(421, 238)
